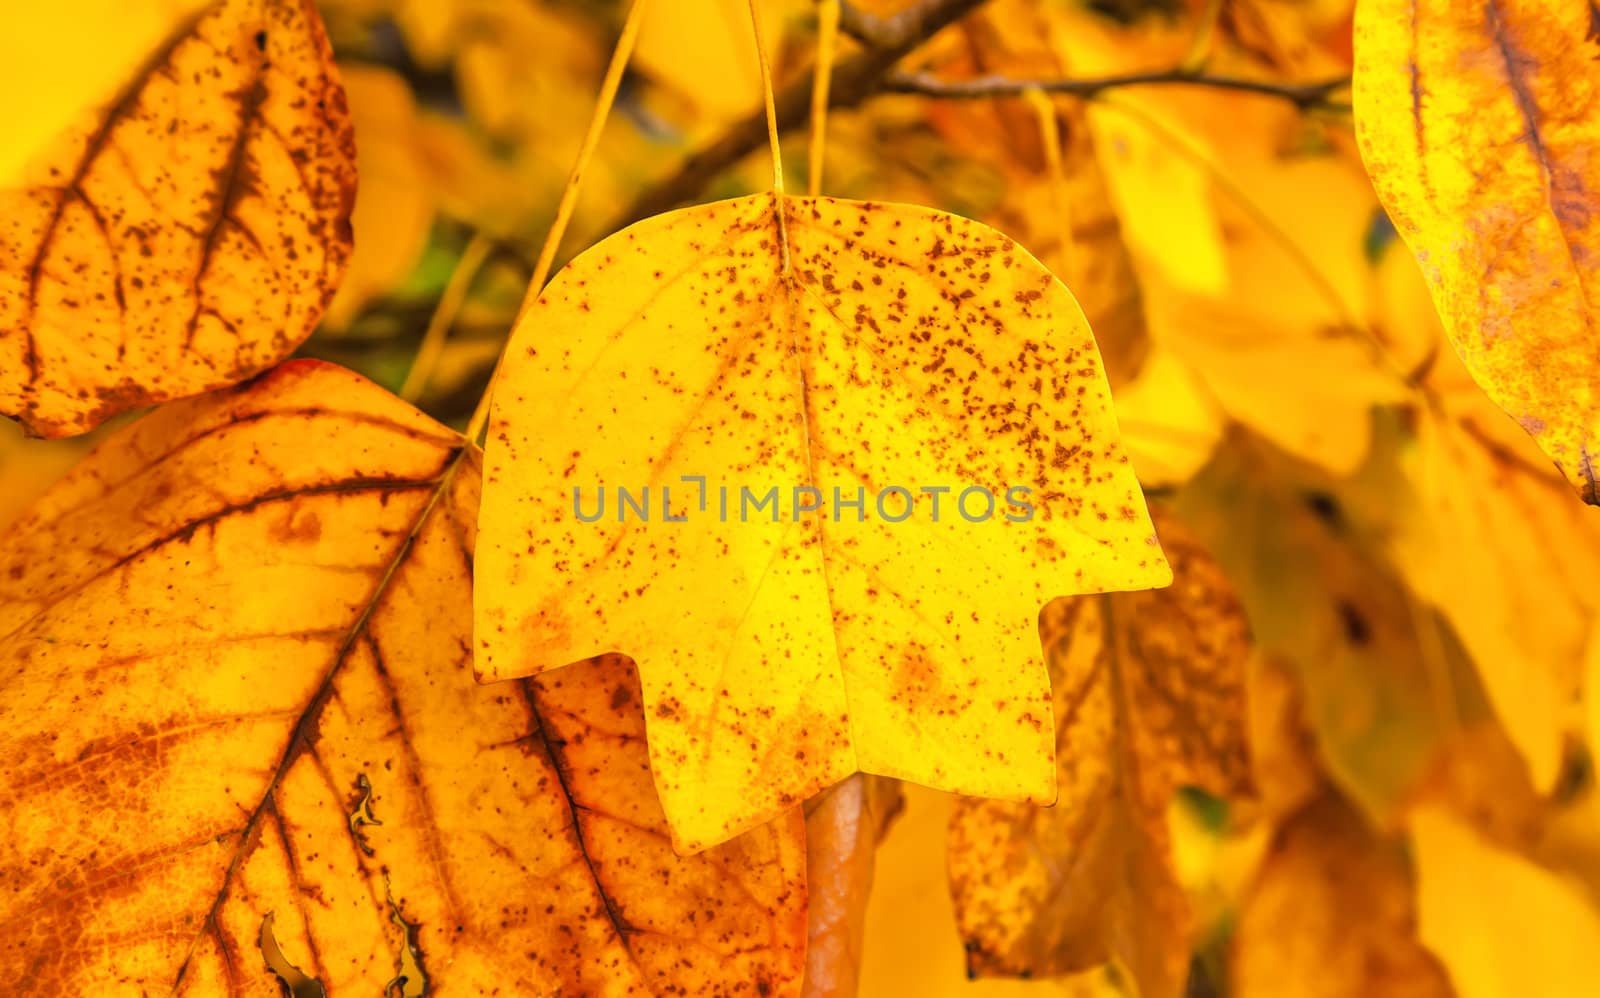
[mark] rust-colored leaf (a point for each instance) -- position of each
(1332, 914)
(1149, 697)
(185, 234)
(237, 694)
(844, 825)
(783, 649)
(1478, 123)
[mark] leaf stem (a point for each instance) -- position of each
(772, 136)
(853, 81)
(1050, 138)
(827, 35)
(444, 315)
(569, 196)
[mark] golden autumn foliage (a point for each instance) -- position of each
(554, 499)
(1149, 697)
(843, 367)
(366, 790)
(181, 232)
(1478, 130)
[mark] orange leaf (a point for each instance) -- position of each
(186, 234)
(246, 695)
(1478, 125)
(1332, 914)
(844, 825)
(1149, 696)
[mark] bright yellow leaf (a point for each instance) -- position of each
(187, 232)
(1478, 124)
(1149, 696)
(906, 349)
(1170, 421)
(887, 360)
(234, 696)
(1503, 926)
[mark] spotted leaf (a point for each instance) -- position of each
(736, 370)
(187, 229)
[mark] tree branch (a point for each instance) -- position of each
(854, 80)
(1302, 95)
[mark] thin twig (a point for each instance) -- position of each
(444, 315)
(854, 80)
(569, 195)
(1302, 95)
(772, 134)
(827, 32)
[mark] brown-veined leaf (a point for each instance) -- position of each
(184, 232)
(245, 693)
(904, 349)
(1332, 914)
(1478, 125)
(1149, 697)
(844, 825)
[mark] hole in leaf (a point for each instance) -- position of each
(411, 978)
(361, 813)
(292, 982)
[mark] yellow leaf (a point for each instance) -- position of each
(1149, 697)
(704, 50)
(1311, 397)
(1483, 527)
(242, 695)
(1332, 915)
(1503, 926)
(1170, 423)
(1164, 197)
(844, 825)
(907, 349)
(1496, 542)
(185, 234)
(1477, 123)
